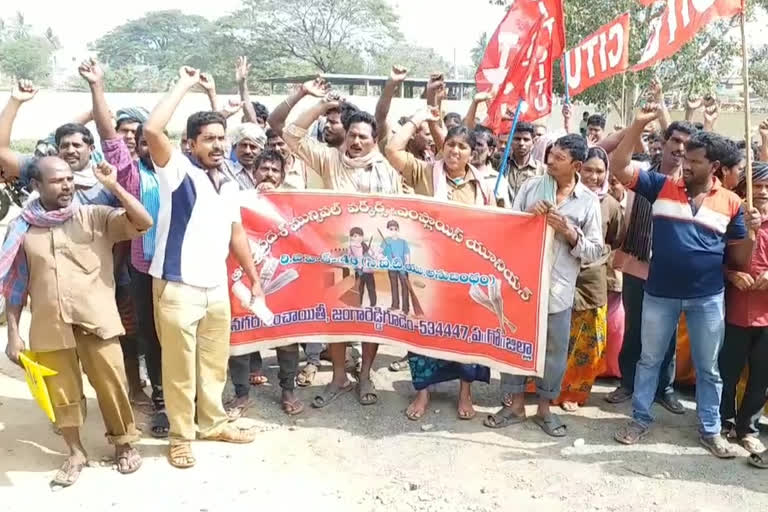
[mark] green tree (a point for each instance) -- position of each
(695, 68)
(420, 61)
(329, 35)
(163, 40)
(26, 58)
(478, 51)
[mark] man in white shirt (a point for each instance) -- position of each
(198, 225)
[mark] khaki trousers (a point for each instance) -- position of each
(103, 364)
(193, 325)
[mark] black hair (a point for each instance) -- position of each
(70, 129)
(452, 115)
(196, 121)
(33, 169)
(270, 155)
(596, 120)
(360, 116)
(598, 152)
(120, 122)
(576, 145)
(481, 132)
(261, 110)
(654, 137)
(344, 110)
(698, 125)
(585, 115)
(733, 156)
(641, 157)
(523, 127)
(680, 126)
(716, 147)
(393, 224)
(271, 134)
(356, 231)
(461, 131)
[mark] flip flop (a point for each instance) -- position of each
(399, 366)
(471, 415)
(306, 376)
(67, 474)
(234, 413)
(367, 389)
(631, 433)
(329, 394)
(551, 425)
(292, 408)
(759, 461)
(504, 418)
(160, 426)
(130, 456)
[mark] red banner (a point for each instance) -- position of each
(601, 55)
(515, 68)
(679, 23)
(333, 267)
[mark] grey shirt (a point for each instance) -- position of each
(582, 209)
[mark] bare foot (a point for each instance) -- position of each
(466, 410)
(569, 406)
(418, 407)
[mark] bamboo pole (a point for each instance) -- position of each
(747, 114)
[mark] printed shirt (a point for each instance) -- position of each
(688, 249)
(71, 276)
(328, 162)
(750, 308)
(194, 224)
(117, 154)
(582, 209)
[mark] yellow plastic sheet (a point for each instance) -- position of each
(34, 372)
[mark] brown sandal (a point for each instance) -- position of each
(257, 379)
(180, 455)
(292, 408)
(307, 375)
(68, 474)
(230, 434)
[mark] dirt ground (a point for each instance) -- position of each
(347, 457)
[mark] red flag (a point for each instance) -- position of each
(501, 66)
(679, 23)
(599, 56)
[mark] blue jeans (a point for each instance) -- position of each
(705, 317)
(555, 360)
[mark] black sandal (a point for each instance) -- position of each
(160, 426)
(505, 417)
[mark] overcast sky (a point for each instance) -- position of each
(83, 21)
(446, 25)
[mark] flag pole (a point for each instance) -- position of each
(505, 160)
(747, 114)
(565, 78)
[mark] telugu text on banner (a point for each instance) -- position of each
(446, 280)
